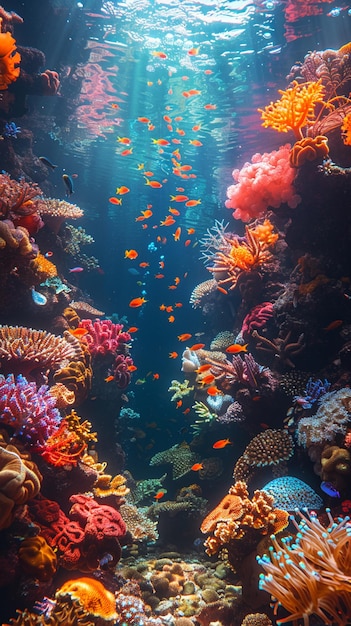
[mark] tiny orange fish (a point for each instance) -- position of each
(169, 309)
(222, 290)
(222, 443)
(144, 120)
(179, 198)
(333, 325)
(127, 152)
(235, 348)
(115, 200)
(156, 376)
(136, 302)
(131, 254)
(197, 466)
(125, 140)
(159, 495)
(168, 221)
(196, 127)
(159, 54)
(132, 368)
(193, 52)
(184, 337)
(147, 213)
(109, 379)
(208, 379)
(210, 107)
(161, 264)
(174, 211)
(153, 183)
(179, 404)
(196, 142)
(203, 368)
(171, 319)
(144, 264)
(178, 305)
(186, 411)
(78, 332)
(187, 242)
(159, 276)
(214, 391)
(173, 355)
(132, 329)
(167, 119)
(114, 106)
(208, 72)
(160, 142)
(191, 203)
(191, 231)
(177, 280)
(172, 287)
(148, 173)
(177, 234)
(197, 346)
(150, 127)
(122, 190)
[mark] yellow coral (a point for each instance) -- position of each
(92, 595)
(37, 558)
(295, 109)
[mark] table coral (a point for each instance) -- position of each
(270, 448)
(37, 558)
(55, 212)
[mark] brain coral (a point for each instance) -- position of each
(291, 493)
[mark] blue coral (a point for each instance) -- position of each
(11, 130)
(29, 411)
(315, 389)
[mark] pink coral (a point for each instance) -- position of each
(104, 337)
(122, 370)
(265, 182)
(256, 318)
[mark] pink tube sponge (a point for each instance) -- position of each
(265, 182)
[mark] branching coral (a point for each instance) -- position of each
(295, 109)
(265, 182)
(310, 574)
(281, 347)
(67, 445)
(230, 255)
(104, 337)
(240, 373)
(180, 389)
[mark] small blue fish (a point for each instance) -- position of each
(38, 298)
(68, 184)
(76, 270)
(134, 271)
(329, 489)
(47, 162)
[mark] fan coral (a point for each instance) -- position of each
(34, 352)
(295, 109)
(104, 337)
(231, 255)
(308, 575)
(29, 411)
(269, 448)
(265, 182)
(37, 558)
(309, 149)
(96, 600)
(10, 59)
(237, 517)
(291, 493)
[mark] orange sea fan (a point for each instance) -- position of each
(295, 109)
(9, 60)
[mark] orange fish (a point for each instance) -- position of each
(196, 142)
(180, 132)
(210, 107)
(169, 309)
(208, 379)
(147, 213)
(78, 332)
(144, 264)
(222, 443)
(161, 264)
(132, 329)
(177, 234)
(333, 325)
(168, 221)
(114, 106)
(235, 348)
(176, 140)
(131, 254)
(197, 466)
(144, 226)
(186, 411)
(208, 72)
(185, 168)
(177, 280)
(151, 127)
(125, 140)
(222, 290)
(197, 346)
(132, 368)
(148, 173)
(159, 495)
(191, 231)
(174, 211)
(122, 190)
(155, 376)
(193, 52)
(191, 203)
(115, 200)
(153, 183)
(167, 119)
(159, 54)
(172, 287)
(126, 152)
(196, 127)
(179, 198)
(136, 302)
(187, 242)
(159, 275)
(171, 319)
(161, 142)
(109, 379)
(203, 368)
(179, 404)
(214, 391)
(173, 355)
(184, 337)
(178, 305)
(144, 120)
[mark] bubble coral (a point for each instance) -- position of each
(265, 182)
(37, 558)
(96, 600)
(10, 59)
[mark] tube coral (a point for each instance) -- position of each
(310, 574)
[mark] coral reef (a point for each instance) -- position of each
(270, 448)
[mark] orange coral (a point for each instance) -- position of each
(68, 444)
(37, 558)
(106, 486)
(295, 109)
(10, 59)
(346, 130)
(92, 595)
(43, 268)
(309, 149)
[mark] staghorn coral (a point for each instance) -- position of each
(308, 575)
(96, 600)
(229, 255)
(20, 481)
(180, 389)
(202, 291)
(281, 347)
(332, 418)
(265, 182)
(55, 212)
(37, 558)
(270, 448)
(33, 352)
(179, 456)
(295, 109)
(239, 518)
(104, 337)
(291, 493)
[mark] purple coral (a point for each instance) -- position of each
(121, 370)
(28, 410)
